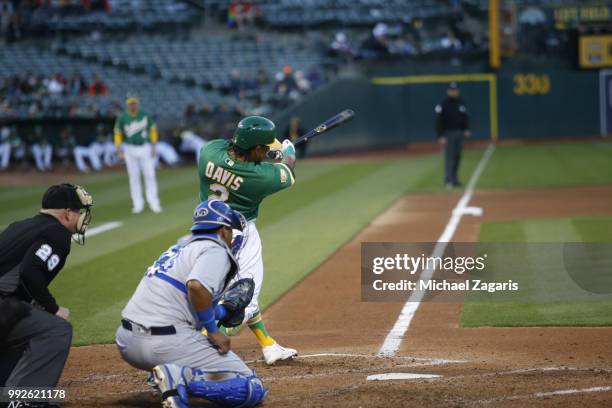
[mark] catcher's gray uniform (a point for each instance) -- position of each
(160, 303)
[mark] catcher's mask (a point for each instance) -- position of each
(212, 214)
(72, 197)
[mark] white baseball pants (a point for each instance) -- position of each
(139, 159)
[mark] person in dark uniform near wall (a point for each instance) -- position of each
(452, 126)
(32, 253)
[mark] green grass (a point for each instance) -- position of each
(300, 227)
(555, 291)
(549, 165)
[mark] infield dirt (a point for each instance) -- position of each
(324, 314)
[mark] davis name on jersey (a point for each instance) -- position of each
(223, 176)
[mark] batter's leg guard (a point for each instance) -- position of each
(227, 388)
(169, 378)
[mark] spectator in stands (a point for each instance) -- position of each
(55, 85)
(340, 45)
(376, 44)
(41, 150)
(285, 84)
(241, 13)
(5, 147)
(77, 85)
(65, 146)
(232, 14)
(293, 131)
(97, 87)
(450, 42)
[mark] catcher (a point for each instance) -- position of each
(184, 291)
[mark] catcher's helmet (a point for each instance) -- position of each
(255, 130)
(213, 214)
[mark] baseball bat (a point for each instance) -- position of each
(326, 126)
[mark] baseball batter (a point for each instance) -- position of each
(183, 292)
(136, 132)
(234, 172)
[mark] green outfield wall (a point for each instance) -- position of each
(397, 109)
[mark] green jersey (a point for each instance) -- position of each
(134, 129)
(242, 185)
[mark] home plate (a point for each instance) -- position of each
(400, 376)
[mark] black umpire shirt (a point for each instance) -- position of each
(451, 115)
(32, 252)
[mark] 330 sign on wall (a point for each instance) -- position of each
(531, 84)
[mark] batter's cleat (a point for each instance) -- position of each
(156, 209)
(136, 210)
(169, 379)
(277, 352)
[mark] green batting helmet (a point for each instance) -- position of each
(255, 130)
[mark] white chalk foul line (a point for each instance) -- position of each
(400, 376)
(107, 226)
(421, 361)
(394, 337)
(572, 391)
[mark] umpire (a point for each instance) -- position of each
(452, 126)
(32, 252)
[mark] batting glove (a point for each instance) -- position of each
(288, 148)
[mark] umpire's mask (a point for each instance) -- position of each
(75, 198)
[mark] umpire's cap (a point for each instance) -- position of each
(66, 196)
(255, 130)
(213, 214)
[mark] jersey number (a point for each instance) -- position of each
(220, 192)
(45, 253)
(165, 262)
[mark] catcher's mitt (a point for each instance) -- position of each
(235, 299)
